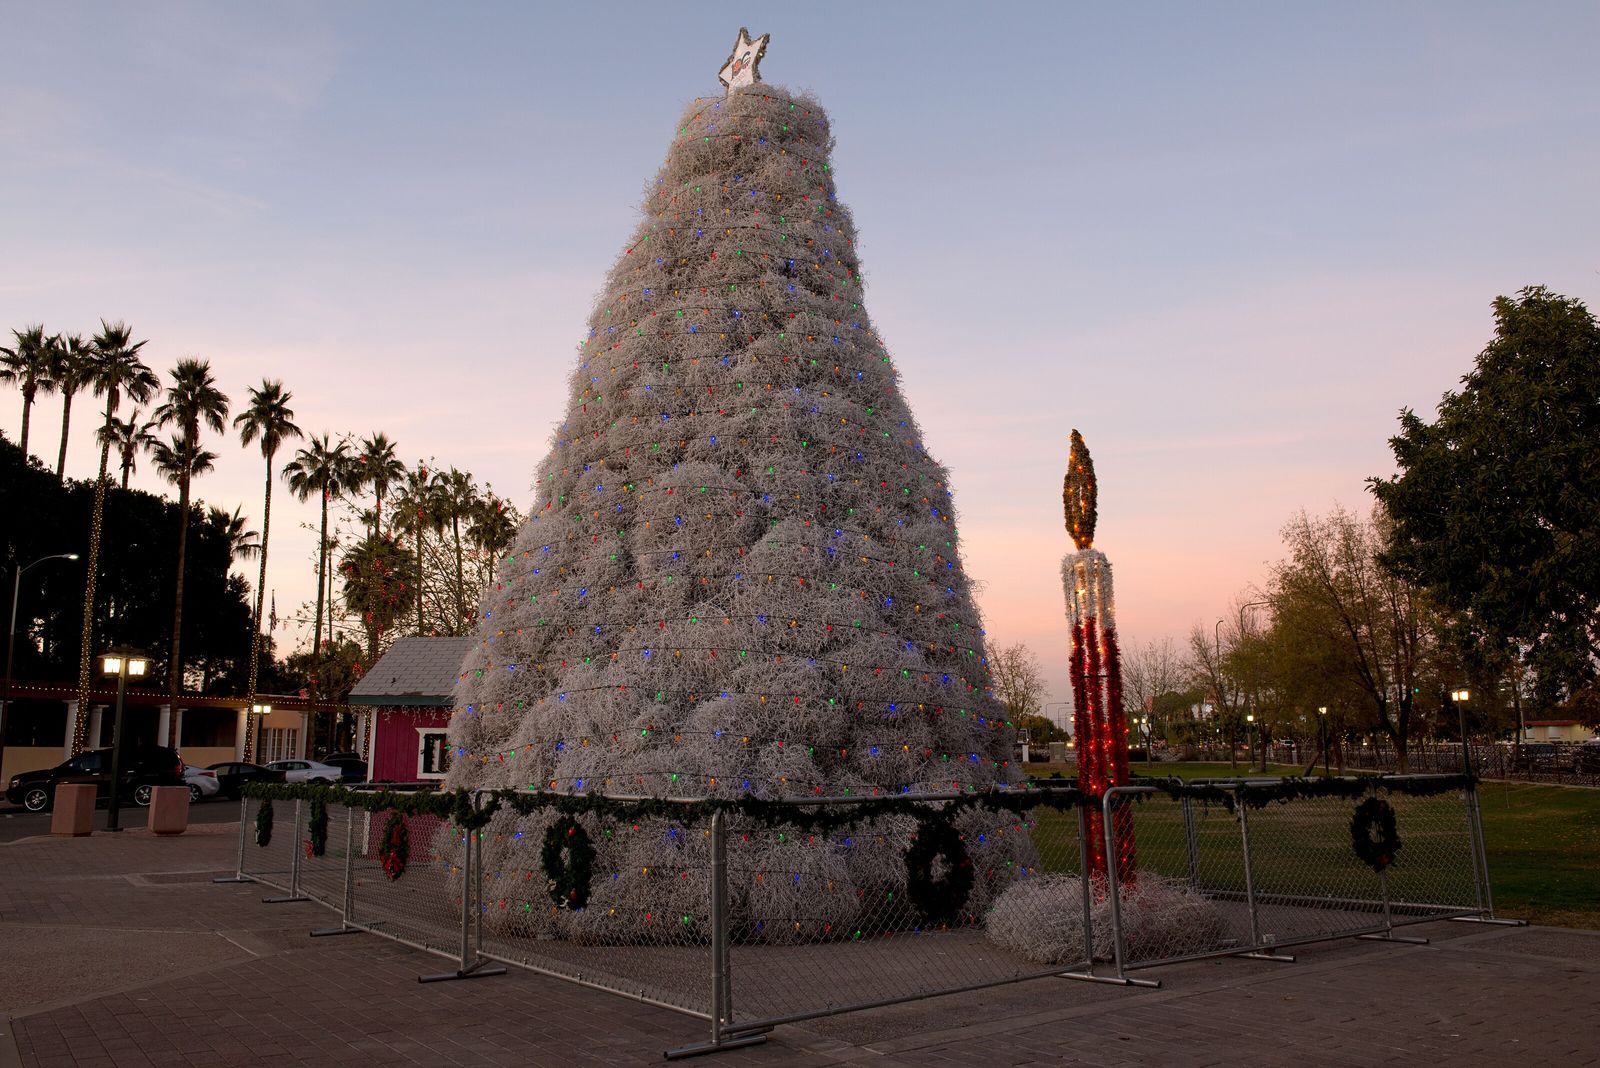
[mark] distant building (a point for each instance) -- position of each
(407, 698)
(1556, 730)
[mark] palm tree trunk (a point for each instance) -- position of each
(66, 421)
(127, 465)
(27, 412)
(175, 670)
(322, 581)
(261, 585)
(80, 724)
(461, 586)
(419, 572)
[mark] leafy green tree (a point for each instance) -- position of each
(376, 587)
(117, 372)
(192, 403)
(1496, 504)
(493, 529)
(269, 419)
(27, 364)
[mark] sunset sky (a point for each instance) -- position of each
(1226, 242)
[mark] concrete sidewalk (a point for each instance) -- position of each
(119, 951)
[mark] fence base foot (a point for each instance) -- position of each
(1281, 958)
(1110, 980)
(1493, 921)
(1407, 939)
(283, 900)
(735, 1041)
(477, 971)
(328, 932)
(235, 879)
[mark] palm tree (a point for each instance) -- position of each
(268, 417)
(458, 496)
(373, 587)
(128, 437)
(379, 468)
(28, 363)
(243, 543)
(193, 401)
(117, 370)
(72, 371)
(320, 468)
(420, 502)
(492, 529)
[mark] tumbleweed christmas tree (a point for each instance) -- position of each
(741, 573)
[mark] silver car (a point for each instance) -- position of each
(306, 771)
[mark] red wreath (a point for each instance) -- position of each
(394, 848)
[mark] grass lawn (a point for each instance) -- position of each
(1543, 844)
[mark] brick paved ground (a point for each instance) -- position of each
(121, 952)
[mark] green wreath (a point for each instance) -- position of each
(318, 827)
(394, 847)
(264, 824)
(938, 900)
(1373, 835)
(568, 858)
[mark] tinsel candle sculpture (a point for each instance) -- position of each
(1101, 734)
(741, 574)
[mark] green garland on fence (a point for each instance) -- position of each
(940, 900)
(1373, 835)
(568, 858)
(317, 827)
(264, 824)
(394, 846)
(473, 812)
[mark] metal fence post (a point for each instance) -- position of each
(1088, 899)
(472, 965)
(1257, 950)
(1480, 864)
(1108, 827)
(1190, 842)
(294, 864)
(238, 875)
(347, 907)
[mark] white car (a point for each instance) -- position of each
(306, 771)
(201, 782)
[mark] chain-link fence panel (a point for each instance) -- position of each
(407, 875)
(901, 907)
(271, 863)
(624, 906)
(326, 841)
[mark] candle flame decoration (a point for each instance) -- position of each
(1079, 494)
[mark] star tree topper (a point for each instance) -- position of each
(740, 70)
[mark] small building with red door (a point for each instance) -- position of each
(406, 700)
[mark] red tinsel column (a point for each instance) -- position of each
(1100, 731)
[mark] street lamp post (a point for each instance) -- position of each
(1460, 697)
(121, 663)
(11, 642)
(1250, 718)
(1322, 725)
(252, 731)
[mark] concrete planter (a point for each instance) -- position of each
(169, 809)
(74, 810)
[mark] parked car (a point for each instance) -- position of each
(139, 771)
(354, 769)
(1586, 757)
(1535, 756)
(233, 774)
(202, 782)
(307, 771)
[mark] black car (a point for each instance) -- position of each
(140, 769)
(351, 767)
(235, 773)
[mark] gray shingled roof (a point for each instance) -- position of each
(415, 671)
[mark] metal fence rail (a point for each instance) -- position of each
(749, 924)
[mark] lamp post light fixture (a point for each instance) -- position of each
(1322, 724)
(252, 731)
(1460, 698)
(121, 663)
(11, 641)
